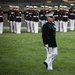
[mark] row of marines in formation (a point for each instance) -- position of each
(32, 16)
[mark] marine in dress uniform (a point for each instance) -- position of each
(42, 15)
(71, 16)
(18, 20)
(26, 17)
(60, 18)
(74, 15)
(36, 19)
(1, 20)
(46, 11)
(31, 19)
(49, 40)
(50, 9)
(65, 18)
(56, 17)
(11, 19)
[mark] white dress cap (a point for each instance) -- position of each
(71, 4)
(42, 6)
(65, 6)
(46, 6)
(13, 6)
(50, 7)
(35, 6)
(17, 6)
(10, 6)
(27, 6)
(61, 6)
(49, 14)
(55, 6)
(31, 6)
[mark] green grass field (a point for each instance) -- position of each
(23, 54)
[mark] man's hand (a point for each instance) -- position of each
(8, 21)
(46, 45)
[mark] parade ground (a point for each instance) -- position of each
(24, 54)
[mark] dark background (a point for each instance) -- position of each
(29, 1)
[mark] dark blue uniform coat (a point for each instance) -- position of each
(49, 34)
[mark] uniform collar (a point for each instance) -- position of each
(50, 22)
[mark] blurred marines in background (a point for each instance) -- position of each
(11, 18)
(60, 18)
(71, 16)
(56, 17)
(1, 20)
(42, 15)
(35, 19)
(18, 20)
(26, 18)
(63, 17)
(31, 19)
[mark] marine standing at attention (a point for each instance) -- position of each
(49, 40)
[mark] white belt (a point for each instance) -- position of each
(30, 13)
(74, 10)
(18, 17)
(35, 16)
(56, 15)
(65, 16)
(41, 15)
(12, 12)
(1, 16)
(26, 15)
(71, 14)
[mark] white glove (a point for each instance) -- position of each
(25, 20)
(39, 20)
(46, 45)
(8, 21)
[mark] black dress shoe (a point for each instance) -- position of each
(46, 64)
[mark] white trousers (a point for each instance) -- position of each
(31, 26)
(51, 54)
(71, 24)
(18, 27)
(28, 25)
(1, 27)
(36, 27)
(42, 22)
(61, 26)
(65, 26)
(57, 25)
(12, 26)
